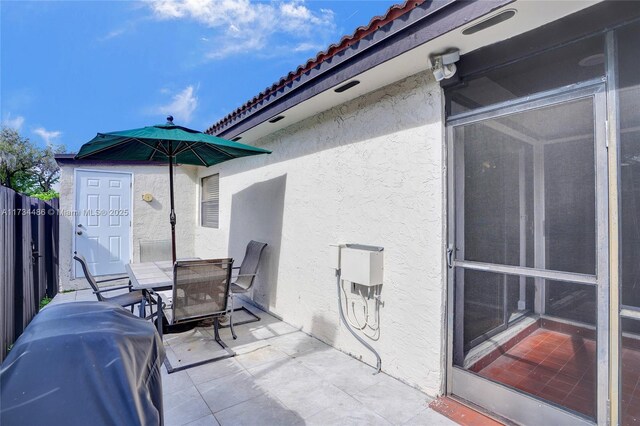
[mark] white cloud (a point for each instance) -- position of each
(167, 9)
(241, 45)
(13, 123)
(308, 47)
(47, 135)
(112, 34)
(182, 105)
(244, 26)
(296, 11)
(298, 19)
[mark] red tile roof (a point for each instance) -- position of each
(376, 22)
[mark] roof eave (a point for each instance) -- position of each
(417, 26)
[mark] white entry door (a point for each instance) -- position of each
(103, 221)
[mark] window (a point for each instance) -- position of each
(210, 201)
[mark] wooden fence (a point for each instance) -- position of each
(29, 231)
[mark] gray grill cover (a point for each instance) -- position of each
(83, 363)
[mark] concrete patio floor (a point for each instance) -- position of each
(280, 376)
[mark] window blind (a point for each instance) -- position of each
(210, 201)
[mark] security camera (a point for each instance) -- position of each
(443, 65)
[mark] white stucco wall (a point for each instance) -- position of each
(150, 220)
(370, 171)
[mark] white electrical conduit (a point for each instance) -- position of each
(365, 309)
(377, 314)
(357, 326)
(365, 305)
(346, 323)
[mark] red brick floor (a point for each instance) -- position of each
(561, 368)
(554, 366)
(630, 405)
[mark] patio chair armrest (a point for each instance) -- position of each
(120, 287)
(113, 279)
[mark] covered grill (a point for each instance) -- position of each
(84, 363)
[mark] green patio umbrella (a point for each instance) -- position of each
(165, 143)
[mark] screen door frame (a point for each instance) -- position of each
(498, 398)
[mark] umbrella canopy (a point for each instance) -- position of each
(158, 143)
(165, 143)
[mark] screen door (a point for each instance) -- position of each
(528, 257)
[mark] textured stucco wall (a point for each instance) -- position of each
(150, 220)
(369, 171)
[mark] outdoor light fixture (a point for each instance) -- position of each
(347, 86)
(490, 22)
(276, 119)
(443, 65)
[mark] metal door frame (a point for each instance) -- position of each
(496, 397)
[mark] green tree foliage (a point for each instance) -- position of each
(46, 169)
(17, 157)
(45, 196)
(26, 168)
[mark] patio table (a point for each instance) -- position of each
(156, 276)
(151, 275)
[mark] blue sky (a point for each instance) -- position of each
(70, 69)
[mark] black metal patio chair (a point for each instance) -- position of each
(200, 291)
(247, 272)
(125, 300)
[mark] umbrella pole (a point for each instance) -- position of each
(172, 215)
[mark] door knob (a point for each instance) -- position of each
(79, 232)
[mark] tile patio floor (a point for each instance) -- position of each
(280, 376)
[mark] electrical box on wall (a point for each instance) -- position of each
(334, 255)
(362, 265)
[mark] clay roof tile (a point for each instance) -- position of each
(394, 12)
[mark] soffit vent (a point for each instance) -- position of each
(490, 22)
(347, 86)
